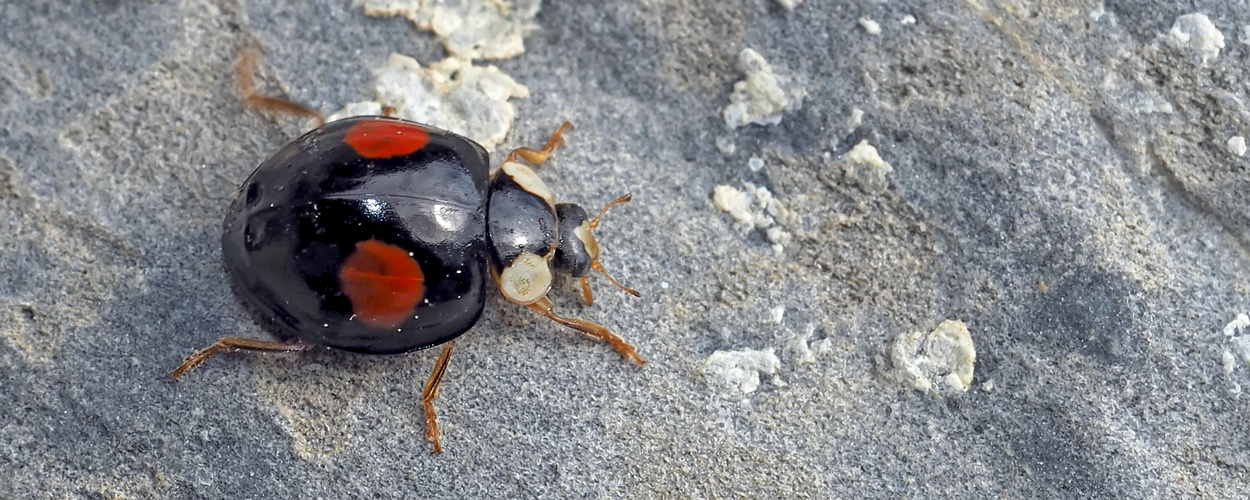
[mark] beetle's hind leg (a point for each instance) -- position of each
(234, 344)
(245, 70)
(538, 156)
(543, 306)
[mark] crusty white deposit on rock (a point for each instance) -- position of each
(856, 119)
(866, 168)
(759, 98)
(1239, 342)
(471, 29)
(736, 373)
(1237, 145)
(789, 4)
(474, 103)
(801, 352)
(872, 27)
(737, 203)
(756, 208)
(1197, 33)
(941, 360)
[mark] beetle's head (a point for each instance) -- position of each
(578, 251)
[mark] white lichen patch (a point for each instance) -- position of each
(1237, 145)
(471, 29)
(940, 361)
(778, 237)
(866, 168)
(856, 119)
(1237, 332)
(776, 315)
(452, 94)
(737, 373)
(1147, 102)
(864, 154)
(737, 203)
(756, 208)
(1236, 326)
(1229, 362)
(789, 4)
(872, 27)
(759, 98)
(1098, 12)
(1197, 33)
(755, 164)
(798, 349)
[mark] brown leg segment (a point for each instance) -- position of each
(586, 294)
(431, 393)
(543, 306)
(536, 157)
(234, 344)
(245, 68)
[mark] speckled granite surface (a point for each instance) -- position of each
(1063, 178)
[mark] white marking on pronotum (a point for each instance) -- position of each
(528, 180)
(527, 279)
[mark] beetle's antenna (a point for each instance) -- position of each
(595, 260)
(245, 69)
(624, 199)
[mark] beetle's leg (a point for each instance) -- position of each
(430, 393)
(539, 156)
(543, 306)
(245, 68)
(233, 344)
(586, 294)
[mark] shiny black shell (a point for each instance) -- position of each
(520, 221)
(301, 215)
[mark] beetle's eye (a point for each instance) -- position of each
(253, 194)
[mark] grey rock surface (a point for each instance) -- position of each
(1060, 184)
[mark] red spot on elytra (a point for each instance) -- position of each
(385, 138)
(383, 283)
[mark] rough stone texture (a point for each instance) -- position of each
(1061, 184)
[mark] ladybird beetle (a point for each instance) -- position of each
(377, 235)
